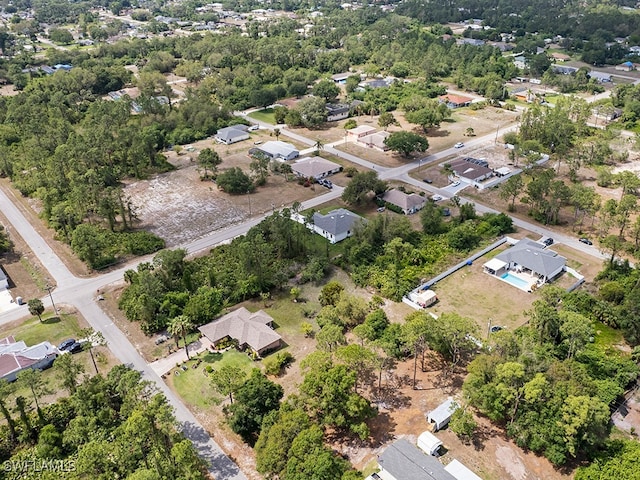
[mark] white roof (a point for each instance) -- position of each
(461, 472)
(442, 412)
(311, 167)
(503, 170)
(362, 129)
(428, 442)
(278, 148)
(426, 295)
(495, 264)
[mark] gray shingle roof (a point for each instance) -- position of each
(403, 200)
(531, 255)
(406, 462)
(314, 167)
(337, 221)
(228, 133)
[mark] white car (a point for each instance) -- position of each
(436, 197)
(459, 145)
(253, 128)
(456, 183)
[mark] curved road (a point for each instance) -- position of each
(79, 292)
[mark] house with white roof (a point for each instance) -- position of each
(360, 131)
(375, 140)
(277, 150)
(316, 167)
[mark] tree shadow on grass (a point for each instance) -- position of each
(51, 320)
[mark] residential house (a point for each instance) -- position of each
(336, 225)
(526, 265)
(560, 57)
(455, 101)
(250, 330)
(634, 50)
(316, 167)
(602, 77)
(360, 131)
(403, 461)
(232, 134)
(277, 150)
(441, 415)
(563, 69)
(520, 62)
(377, 82)
(17, 356)
(341, 78)
(375, 140)
(409, 203)
(337, 111)
(476, 42)
(470, 172)
(4, 280)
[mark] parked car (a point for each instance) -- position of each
(436, 197)
(459, 145)
(75, 347)
(326, 183)
(456, 183)
(586, 241)
(427, 180)
(446, 212)
(64, 346)
(495, 328)
(381, 209)
(253, 128)
(548, 241)
(161, 339)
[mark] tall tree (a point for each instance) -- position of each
(36, 308)
(68, 371)
(227, 379)
(180, 326)
(406, 143)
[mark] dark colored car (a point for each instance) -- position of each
(548, 241)
(495, 328)
(75, 347)
(427, 180)
(586, 241)
(65, 345)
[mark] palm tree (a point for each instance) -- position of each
(319, 145)
(276, 132)
(179, 327)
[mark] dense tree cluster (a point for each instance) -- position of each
(264, 259)
(116, 426)
(549, 386)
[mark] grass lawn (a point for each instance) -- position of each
(606, 337)
(193, 384)
(264, 115)
(53, 329)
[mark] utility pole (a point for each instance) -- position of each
(48, 288)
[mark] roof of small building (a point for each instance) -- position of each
(533, 256)
(403, 200)
(333, 108)
(361, 129)
(228, 133)
(337, 222)
(245, 327)
(460, 471)
(314, 166)
(277, 148)
(443, 411)
(406, 462)
(3, 276)
(375, 139)
(456, 99)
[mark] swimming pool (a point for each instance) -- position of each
(516, 281)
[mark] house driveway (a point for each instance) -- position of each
(164, 365)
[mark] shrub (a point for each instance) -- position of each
(275, 364)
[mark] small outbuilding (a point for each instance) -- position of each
(442, 414)
(429, 443)
(425, 298)
(460, 471)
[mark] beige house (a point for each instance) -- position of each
(250, 330)
(409, 203)
(316, 167)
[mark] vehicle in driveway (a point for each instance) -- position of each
(64, 346)
(456, 183)
(459, 145)
(427, 180)
(75, 347)
(586, 241)
(253, 128)
(548, 241)
(436, 197)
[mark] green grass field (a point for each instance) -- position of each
(606, 337)
(265, 115)
(52, 329)
(193, 384)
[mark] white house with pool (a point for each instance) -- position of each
(527, 265)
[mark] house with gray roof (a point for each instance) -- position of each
(316, 167)
(336, 225)
(408, 202)
(403, 461)
(250, 330)
(526, 265)
(277, 150)
(232, 134)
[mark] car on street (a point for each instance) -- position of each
(427, 180)
(586, 241)
(548, 241)
(64, 346)
(436, 197)
(459, 145)
(456, 183)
